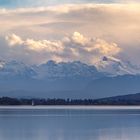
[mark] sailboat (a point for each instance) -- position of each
(33, 103)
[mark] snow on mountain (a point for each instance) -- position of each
(50, 70)
(15, 68)
(2, 63)
(69, 79)
(75, 69)
(116, 66)
(108, 66)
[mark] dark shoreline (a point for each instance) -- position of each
(111, 101)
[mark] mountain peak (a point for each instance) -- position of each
(51, 62)
(116, 66)
(105, 58)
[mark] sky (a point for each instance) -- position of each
(32, 3)
(35, 31)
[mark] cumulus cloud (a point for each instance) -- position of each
(38, 46)
(110, 23)
(14, 40)
(69, 48)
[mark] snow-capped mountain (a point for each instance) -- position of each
(15, 69)
(116, 66)
(69, 79)
(49, 71)
(107, 66)
(75, 69)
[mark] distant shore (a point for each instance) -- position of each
(117, 101)
(73, 107)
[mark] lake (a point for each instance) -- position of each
(69, 123)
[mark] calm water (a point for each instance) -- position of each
(69, 124)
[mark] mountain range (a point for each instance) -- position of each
(108, 77)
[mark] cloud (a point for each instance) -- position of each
(79, 38)
(38, 46)
(14, 40)
(69, 48)
(101, 20)
(44, 32)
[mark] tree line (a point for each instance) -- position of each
(55, 101)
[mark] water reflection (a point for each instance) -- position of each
(68, 125)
